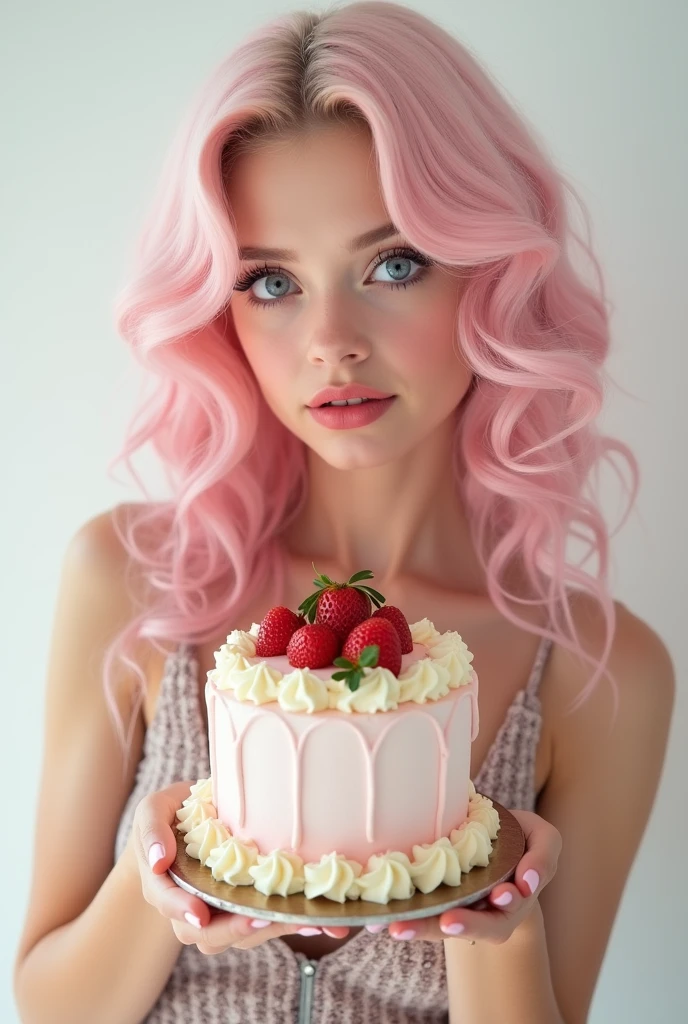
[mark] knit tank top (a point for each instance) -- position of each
(372, 978)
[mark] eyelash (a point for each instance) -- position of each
(250, 277)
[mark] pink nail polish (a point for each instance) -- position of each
(309, 931)
(193, 920)
(259, 923)
(452, 929)
(156, 853)
(375, 928)
(504, 900)
(408, 934)
(532, 879)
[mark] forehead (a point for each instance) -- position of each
(323, 184)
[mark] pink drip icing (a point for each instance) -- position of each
(210, 696)
(475, 717)
(299, 744)
(297, 826)
(238, 764)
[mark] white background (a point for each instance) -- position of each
(90, 97)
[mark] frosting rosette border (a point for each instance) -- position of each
(446, 666)
(386, 876)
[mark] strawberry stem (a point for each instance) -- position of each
(353, 670)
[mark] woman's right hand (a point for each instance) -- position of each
(152, 847)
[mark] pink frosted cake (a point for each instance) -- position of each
(340, 749)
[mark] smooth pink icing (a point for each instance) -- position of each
(356, 783)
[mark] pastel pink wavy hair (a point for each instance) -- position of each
(468, 183)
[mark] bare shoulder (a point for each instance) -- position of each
(97, 548)
(640, 663)
(96, 558)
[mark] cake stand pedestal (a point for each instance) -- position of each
(507, 850)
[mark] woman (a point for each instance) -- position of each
(422, 239)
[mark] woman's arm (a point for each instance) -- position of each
(109, 964)
(509, 983)
(599, 796)
(92, 948)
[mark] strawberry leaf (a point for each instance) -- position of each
(369, 656)
(376, 596)
(364, 574)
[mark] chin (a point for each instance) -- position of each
(347, 453)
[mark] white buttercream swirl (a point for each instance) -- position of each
(378, 691)
(472, 845)
(201, 790)
(302, 690)
(203, 838)
(231, 860)
(482, 811)
(240, 641)
(334, 877)
(424, 632)
(435, 864)
(193, 813)
(258, 683)
(279, 873)
(388, 876)
(424, 680)
(451, 652)
(226, 662)
(240, 645)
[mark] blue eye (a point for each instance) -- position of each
(398, 256)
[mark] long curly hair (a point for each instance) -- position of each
(468, 182)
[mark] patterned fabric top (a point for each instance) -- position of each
(371, 979)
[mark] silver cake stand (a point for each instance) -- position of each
(507, 850)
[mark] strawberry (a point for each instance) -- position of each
(341, 606)
(313, 646)
(399, 621)
(276, 630)
(374, 642)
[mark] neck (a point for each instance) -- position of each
(398, 519)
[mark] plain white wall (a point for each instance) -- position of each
(90, 97)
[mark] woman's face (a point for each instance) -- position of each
(330, 316)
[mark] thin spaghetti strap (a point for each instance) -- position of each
(538, 668)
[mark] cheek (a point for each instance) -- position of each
(428, 351)
(269, 360)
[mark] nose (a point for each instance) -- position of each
(336, 337)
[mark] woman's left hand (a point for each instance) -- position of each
(506, 905)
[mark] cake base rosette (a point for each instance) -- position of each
(201, 837)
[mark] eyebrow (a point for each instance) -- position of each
(355, 245)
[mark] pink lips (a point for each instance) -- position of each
(337, 393)
(343, 417)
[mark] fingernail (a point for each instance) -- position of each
(192, 919)
(408, 934)
(156, 853)
(452, 929)
(503, 900)
(532, 879)
(375, 928)
(309, 931)
(259, 923)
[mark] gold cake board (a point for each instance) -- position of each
(507, 850)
